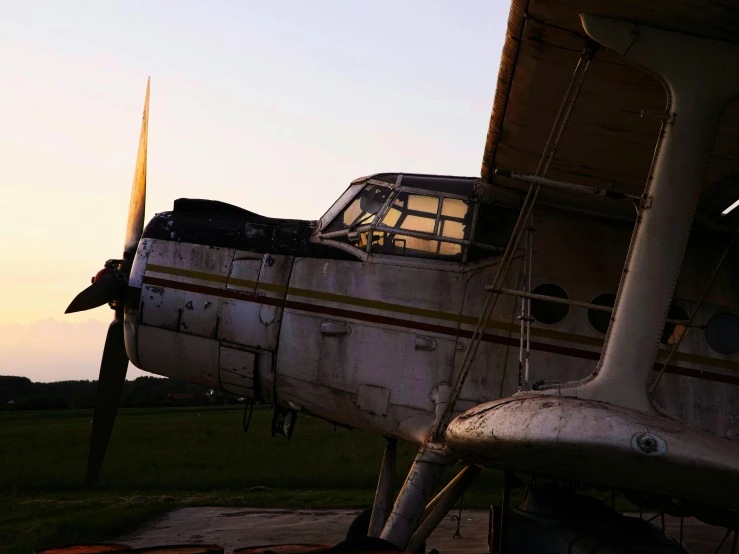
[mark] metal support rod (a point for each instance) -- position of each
(568, 102)
(529, 271)
(573, 187)
(384, 492)
(567, 301)
(483, 320)
(682, 519)
(522, 323)
(487, 311)
(524, 348)
(565, 108)
(442, 503)
(679, 341)
(726, 536)
(248, 409)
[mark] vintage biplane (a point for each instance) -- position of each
(572, 315)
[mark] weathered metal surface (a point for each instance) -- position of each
(237, 371)
(244, 273)
(599, 443)
(373, 399)
(346, 326)
(174, 354)
(414, 496)
(254, 319)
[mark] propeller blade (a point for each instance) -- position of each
(104, 289)
(135, 224)
(110, 388)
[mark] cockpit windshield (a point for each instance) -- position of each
(362, 210)
(424, 226)
(418, 217)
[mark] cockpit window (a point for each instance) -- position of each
(404, 222)
(416, 220)
(362, 210)
(413, 212)
(453, 222)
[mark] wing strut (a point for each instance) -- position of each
(702, 75)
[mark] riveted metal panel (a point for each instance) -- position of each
(373, 399)
(237, 371)
(186, 357)
(253, 319)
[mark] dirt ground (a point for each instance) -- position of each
(241, 527)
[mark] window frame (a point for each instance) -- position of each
(338, 208)
(376, 224)
(346, 198)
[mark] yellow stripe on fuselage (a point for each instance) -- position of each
(422, 312)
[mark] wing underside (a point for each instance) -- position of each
(615, 125)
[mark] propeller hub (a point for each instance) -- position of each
(98, 275)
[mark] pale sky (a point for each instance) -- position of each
(272, 106)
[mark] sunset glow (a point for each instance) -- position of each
(271, 107)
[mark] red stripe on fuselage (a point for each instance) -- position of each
(418, 325)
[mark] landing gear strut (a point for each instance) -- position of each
(413, 518)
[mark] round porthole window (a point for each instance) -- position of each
(722, 333)
(548, 312)
(601, 319)
(672, 332)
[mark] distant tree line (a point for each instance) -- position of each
(20, 393)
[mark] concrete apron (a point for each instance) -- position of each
(240, 527)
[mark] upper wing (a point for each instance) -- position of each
(608, 143)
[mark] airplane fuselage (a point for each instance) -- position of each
(314, 317)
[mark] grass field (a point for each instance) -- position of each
(161, 459)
